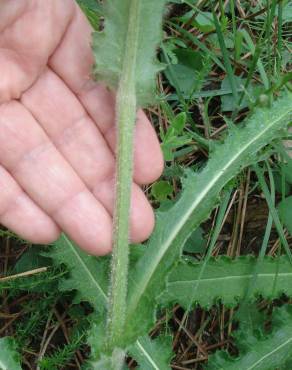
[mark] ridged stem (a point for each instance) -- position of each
(126, 108)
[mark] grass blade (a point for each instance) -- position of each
(226, 58)
(273, 211)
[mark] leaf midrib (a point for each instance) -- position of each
(95, 283)
(206, 190)
(146, 354)
(232, 277)
(270, 353)
(73, 249)
(2, 366)
(198, 200)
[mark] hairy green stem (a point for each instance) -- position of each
(126, 108)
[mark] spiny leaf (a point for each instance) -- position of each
(153, 354)
(92, 10)
(257, 352)
(9, 358)
(200, 195)
(87, 275)
(109, 45)
(150, 354)
(90, 4)
(227, 280)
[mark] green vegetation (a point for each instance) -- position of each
(212, 286)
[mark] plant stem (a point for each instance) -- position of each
(126, 108)
(114, 362)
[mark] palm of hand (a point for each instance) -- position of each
(57, 135)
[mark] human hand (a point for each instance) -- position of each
(57, 134)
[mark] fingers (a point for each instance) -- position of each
(99, 102)
(10, 11)
(26, 150)
(27, 153)
(72, 131)
(148, 159)
(29, 33)
(141, 215)
(20, 214)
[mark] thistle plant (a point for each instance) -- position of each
(125, 306)
(125, 60)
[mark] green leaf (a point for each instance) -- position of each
(183, 75)
(287, 13)
(200, 195)
(227, 280)
(279, 186)
(204, 22)
(171, 142)
(90, 4)
(179, 122)
(92, 10)
(153, 354)
(285, 213)
(109, 45)
(112, 362)
(87, 274)
(257, 352)
(228, 102)
(161, 190)
(9, 358)
(30, 260)
(196, 242)
(287, 168)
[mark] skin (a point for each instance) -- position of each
(57, 132)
